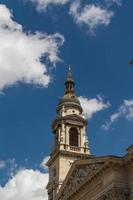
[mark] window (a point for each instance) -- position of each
(54, 173)
(73, 137)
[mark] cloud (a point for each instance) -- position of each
(92, 106)
(91, 15)
(2, 164)
(27, 184)
(110, 3)
(125, 110)
(9, 167)
(43, 163)
(24, 184)
(22, 53)
(42, 5)
(10, 164)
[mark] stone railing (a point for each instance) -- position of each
(74, 148)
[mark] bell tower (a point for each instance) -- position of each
(70, 139)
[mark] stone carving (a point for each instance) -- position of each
(78, 177)
(116, 194)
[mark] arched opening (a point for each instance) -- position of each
(73, 137)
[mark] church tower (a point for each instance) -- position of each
(70, 139)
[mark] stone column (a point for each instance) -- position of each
(67, 137)
(62, 136)
(81, 137)
(59, 132)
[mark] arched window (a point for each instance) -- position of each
(73, 137)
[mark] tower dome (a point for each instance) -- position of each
(69, 98)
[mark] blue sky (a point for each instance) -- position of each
(38, 43)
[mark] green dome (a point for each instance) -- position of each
(69, 98)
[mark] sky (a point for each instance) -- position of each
(39, 39)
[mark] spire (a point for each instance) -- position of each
(69, 73)
(69, 98)
(69, 83)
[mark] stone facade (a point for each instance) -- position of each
(99, 178)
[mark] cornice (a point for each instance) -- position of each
(73, 117)
(67, 153)
(69, 104)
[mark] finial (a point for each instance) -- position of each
(70, 73)
(70, 68)
(69, 83)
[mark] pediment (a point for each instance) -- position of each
(78, 175)
(84, 171)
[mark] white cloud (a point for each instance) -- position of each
(10, 164)
(110, 3)
(2, 164)
(114, 117)
(125, 110)
(21, 52)
(27, 184)
(43, 163)
(92, 106)
(42, 5)
(91, 15)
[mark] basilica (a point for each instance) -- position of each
(76, 174)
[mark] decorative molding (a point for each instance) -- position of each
(73, 117)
